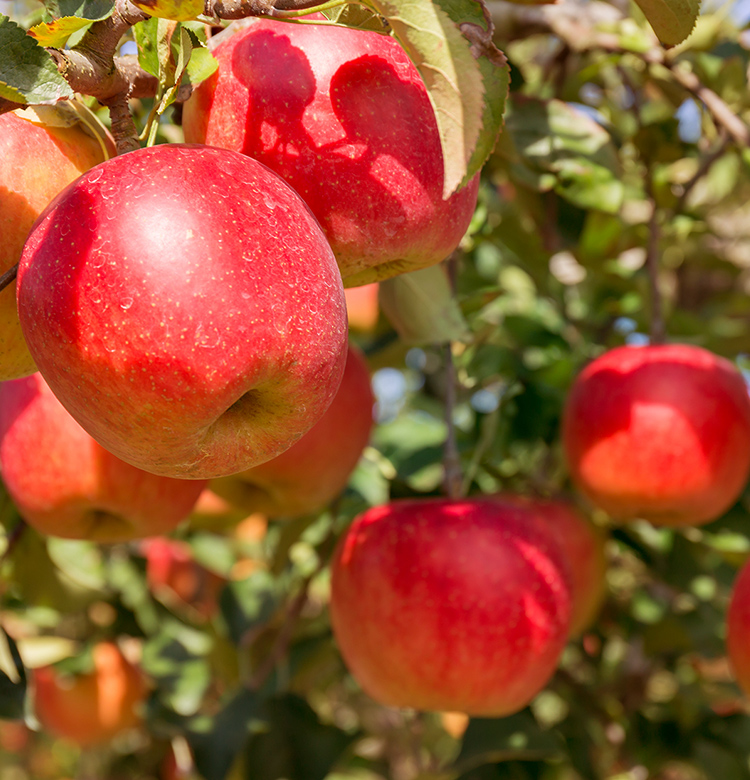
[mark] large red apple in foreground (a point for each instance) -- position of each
(316, 469)
(343, 116)
(439, 604)
(91, 708)
(65, 484)
(583, 547)
(738, 629)
(185, 307)
(659, 432)
(36, 162)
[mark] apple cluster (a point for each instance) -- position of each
(180, 324)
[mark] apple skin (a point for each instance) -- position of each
(36, 162)
(312, 472)
(660, 433)
(91, 708)
(345, 118)
(583, 546)
(173, 573)
(440, 604)
(185, 307)
(64, 483)
(738, 629)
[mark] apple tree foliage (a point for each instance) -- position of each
(613, 205)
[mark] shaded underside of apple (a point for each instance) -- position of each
(450, 605)
(659, 432)
(185, 307)
(345, 118)
(315, 470)
(64, 483)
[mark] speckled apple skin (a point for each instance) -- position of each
(65, 484)
(183, 304)
(314, 470)
(738, 629)
(450, 605)
(659, 432)
(343, 116)
(36, 162)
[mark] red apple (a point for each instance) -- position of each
(312, 472)
(362, 307)
(583, 547)
(185, 307)
(440, 604)
(65, 484)
(343, 116)
(36, 162)
(659, 432)
(176, 577)
(738, 629)
(91, 708)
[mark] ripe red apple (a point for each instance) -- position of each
(343, 116)
(738, 629)
(66, 484)
(312, 472)
(583, 547)
(176, 577)
(91, 708)
(36, 162)
(439, 604)
(659, 432)
(185, 307)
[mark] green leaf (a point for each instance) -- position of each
(27, 72)
(452, 76)
(561, 148)
(359, 17)
(495, 72)
(12, 679)
(217, 743)
(56, 33)
(201, 64)
(145, 37)
(296, 746)
(672, 20)
(494, 740)
(422, 308)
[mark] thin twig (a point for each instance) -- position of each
(8, 277)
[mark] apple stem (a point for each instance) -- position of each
(8, 277)
(657, 326)
(452, 476)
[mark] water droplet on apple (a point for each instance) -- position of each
(126, 303)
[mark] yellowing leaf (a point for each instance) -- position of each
(451, 74)
(178, 10)
(54, 34)
(672, 20)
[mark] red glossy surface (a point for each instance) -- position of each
(185, 307)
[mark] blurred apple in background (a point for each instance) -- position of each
(583, 546)
(343, 116)
(457, 605)
(738, 629)
(362, 307)
(204, 331)
(316, 469)
(660, 433)
(177, 579)
(214, 513)
(65, 484)
(91, 708)
(36, 162)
